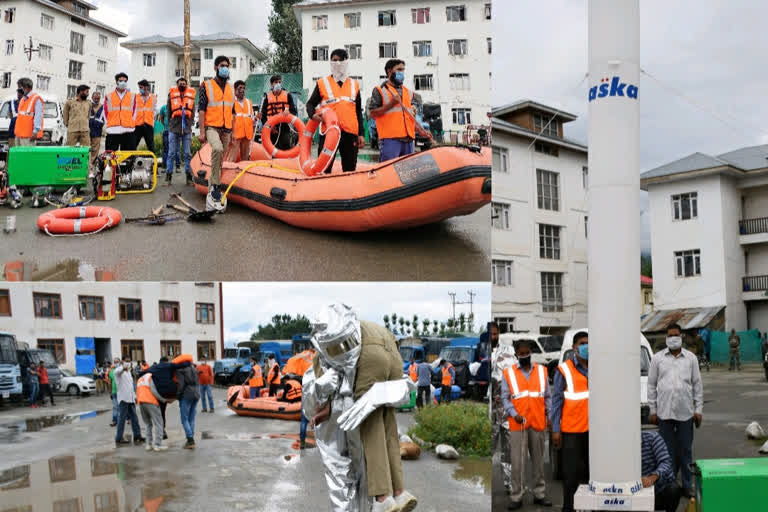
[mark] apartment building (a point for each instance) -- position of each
(70, 47)
(83, 323)
(446, 45)
(539, 217)
(709, 234)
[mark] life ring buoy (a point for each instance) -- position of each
(332, 137)
(79, 220)
(266, 132)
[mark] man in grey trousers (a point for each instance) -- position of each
(149, 400)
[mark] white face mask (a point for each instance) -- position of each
(339, 69)
(674, 342)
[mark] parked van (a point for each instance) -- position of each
(54, 131)
(10, 372)
(540, 353)
(29, 356)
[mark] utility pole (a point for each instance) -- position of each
(453, 305)
(187, 46)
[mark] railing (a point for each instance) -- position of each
(753, 226)
(180, 72)
(754, 283)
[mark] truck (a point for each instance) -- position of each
(426, 348)
(11, 385)
(461, 353)
(228, 366)
(28, 355)
(282, 350)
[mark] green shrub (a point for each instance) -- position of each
(463, 425)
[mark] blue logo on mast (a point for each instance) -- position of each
(613, 87)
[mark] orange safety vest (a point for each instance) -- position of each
(218, 113)
(294, 390)
(528, 397)
(244, 120)
(143, 390)
(257, 380)
(413, 372)
(575, 418)
(341, 100)
(447, 375)
(187, 101)
(25, 122)
(395, 123)
(120, 112)
(145, 111)
(274, 374)
(276, 104)
(144, 367)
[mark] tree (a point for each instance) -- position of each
(282, 327)
(285, 34)
(425, 326)
(386, 322)
(442, 328)
(187, 45)
(462, 322)
(646, 267)
(435, 328)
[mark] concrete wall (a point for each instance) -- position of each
(758, 315)
(733, 254)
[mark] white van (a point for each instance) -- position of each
(54, 131)
(539, 351)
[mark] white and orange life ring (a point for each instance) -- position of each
(332, 135)
(83, 220)
(266, 132)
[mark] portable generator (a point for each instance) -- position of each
(731, 484)
(60, 167)
(125, 172)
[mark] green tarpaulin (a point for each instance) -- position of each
(749, 349)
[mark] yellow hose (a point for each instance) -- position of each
(258, 163)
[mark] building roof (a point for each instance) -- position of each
(526, 104)
(687, 318)
(318, 3)
(87, 19)
(645, 280)
(498, 124)
(158, 40)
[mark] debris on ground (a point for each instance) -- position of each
(409, 451)
(755, 431)
(445, 451)
(764, 448)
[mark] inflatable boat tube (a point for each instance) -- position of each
(262, 407)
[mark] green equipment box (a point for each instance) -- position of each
(731, 484)
(58, 166)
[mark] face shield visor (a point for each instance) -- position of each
(336, 336)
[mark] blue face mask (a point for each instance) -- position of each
(399, 77)
(584, 351)
(277, 87)
(224, 72)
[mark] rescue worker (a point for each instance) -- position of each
(341, 93)
(274, 375)
(45, 384)
(29, 118)
(205, 378)
(448, 377)
(255, 379)
(144, 116)
(119, 108)
(162, 375)
(413, 370)
(112, 383)
(188, 393)
(296, 367)
(149, 401)
(216, 114)
(96, 127)
(243, 132)
(126, 398)
(181, 109)
(291, 391)
(275, 101)
(525, 397)
(424, 384)
(392, 107)
(13, 113)
(570, 418)
(76, 117)
(502, 356)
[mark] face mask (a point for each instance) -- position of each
(339, 70)
(584, 351)
(182, 88)
(398, 77)
(277, 87)
(19, 91)
(83, 96)
(524, 361)
(224, 72)
(674, 342)
(121, 85)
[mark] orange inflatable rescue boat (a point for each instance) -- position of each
(262, 407)
(418, 189)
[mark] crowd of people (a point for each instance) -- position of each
(421, 373)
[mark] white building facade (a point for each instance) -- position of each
(445, 44)
(160, 60)
(73, 48)
(539, 210)
(709, 234)
(143, 321)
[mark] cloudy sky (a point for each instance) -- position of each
(713, 51)
(246, 305)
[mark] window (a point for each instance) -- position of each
(552, 291)
(101, 66)
(101, 89)
(549, 242)
(319, 53)
(149, 59)
(489, 41)
(204, 313)
(206, 350)
(233, 61)
(352, 20)
(76, 42)
(91, 308)
(501, 272)
(5, 303)
(75, 70)
(500, 215)
(422, 82)
(208, 53)
(500, 159)
(456, 13)
(106, 502)
(56, 346)
(545, 149)
(685, 206)
(457, 47)
(62, 469)
(547, 190)
(505, 323)
(46, 21)
(586, 224)
(688, 263)
(420, 16)
(77, 21)
(544, 125)
(355, 51)
(585, 177)
(6, 79)
(46, 52)
(9, 46)
(462, 115)
(170, 348)
(132, 349)
(169, 311)
(10, 15)
(101, 467)
(71, 91)
(422, 48)
(387, 50)
(488, 11)
(103, 41)
(80, 9)
(387, 18)
(130, 310)
(47, 305)
(459, 81)
(320, 22)
(151, 87)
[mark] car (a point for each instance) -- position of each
(541, 353)
(54, 131)
(76, 385)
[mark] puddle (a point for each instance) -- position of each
(476, 471)
(12, 432)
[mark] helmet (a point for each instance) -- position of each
(336, 334)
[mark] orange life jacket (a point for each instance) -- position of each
(293, 393)
(341, 100)
(257, 381)
(218, 113)
(447, 375)
(187, 101)
(528, 397)
(143, 390)
(120, 112)
(25, 122)
(575, 418)
(276, 104)
(274, 374)
(145, 111)
(413, 372)
(395, 123)
(244, 119)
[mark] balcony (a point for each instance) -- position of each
(753, 231)
(754, 288)
(180, 72)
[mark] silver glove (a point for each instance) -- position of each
(392, 393)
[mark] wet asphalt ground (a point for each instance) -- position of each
(732, 400)
(243, 245)
(64, 458)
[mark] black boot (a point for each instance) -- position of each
(190, 443)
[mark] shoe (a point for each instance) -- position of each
(190, 444)
(160, 448)
(168, 178)
(514, 505)
(148, 447)
(139, 440)
(165, 436)
(388, 505)
(210, 411)
(189, 179)
(302, 445)
(122, 442)
(113, 424)
(406, 502)
(544, 502)
(213, 199)
(205, 410)
(177, 169)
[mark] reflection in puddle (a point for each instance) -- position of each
(11, 432)
(476, 471)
